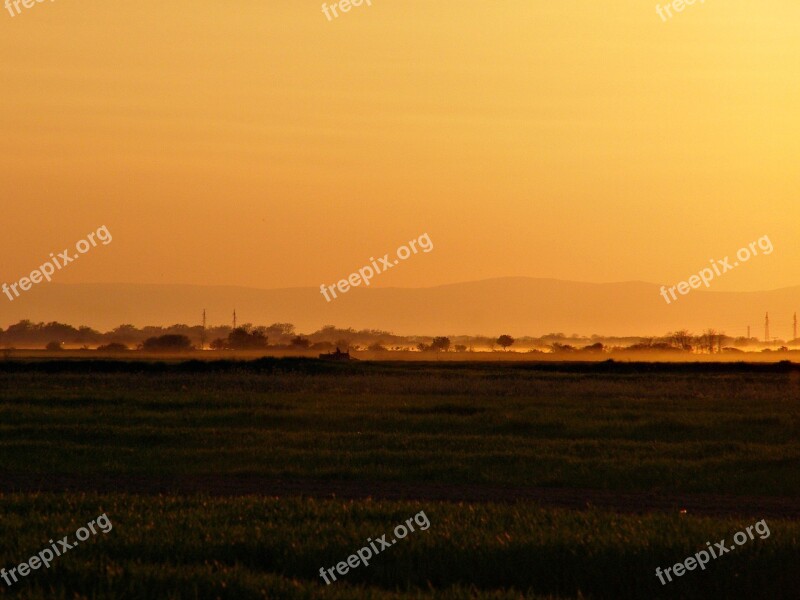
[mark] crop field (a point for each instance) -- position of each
(243, 479)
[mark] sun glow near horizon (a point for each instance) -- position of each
(265, 146)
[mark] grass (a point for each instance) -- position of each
(727, 430)
(243, 548)
(721, 429)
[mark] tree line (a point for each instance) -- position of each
(283, 336)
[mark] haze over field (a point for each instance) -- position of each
(519, 306)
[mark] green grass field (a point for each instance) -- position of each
(724, 432)
(729, 430)
(166, 547)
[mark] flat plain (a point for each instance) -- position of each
(240, 479)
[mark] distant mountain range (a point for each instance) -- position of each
(517, 305)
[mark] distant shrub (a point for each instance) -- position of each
(557, 348)
(598, 347)
(112, 347)
(53, 346)
(654, 347)
(167, 343)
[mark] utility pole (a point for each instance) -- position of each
(203, 333)
(795, 327)
(234, 318)
(748, 332)
(766, 329)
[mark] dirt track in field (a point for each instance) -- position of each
(580, 499)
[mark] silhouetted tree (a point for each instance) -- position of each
(300, 343)
(710, 339)
(125, 334)
(441, 343)
(505, 341)
(246, 338)
(280, 333)
(681, 339)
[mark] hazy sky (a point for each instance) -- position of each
(259, 144)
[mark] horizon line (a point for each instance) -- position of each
(435, 286)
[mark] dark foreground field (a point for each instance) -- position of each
(241, 480)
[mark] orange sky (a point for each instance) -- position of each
(259, 144)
